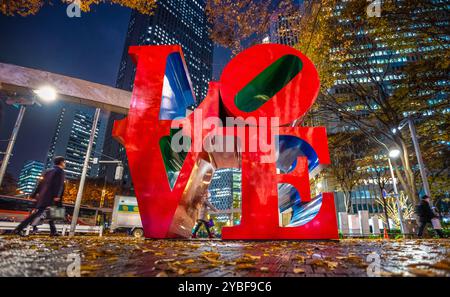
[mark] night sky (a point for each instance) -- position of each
(88, 48)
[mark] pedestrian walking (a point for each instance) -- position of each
(426, 215)
(38, 220)
(203, 216)
(49, 193)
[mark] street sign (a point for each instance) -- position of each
(119, 172)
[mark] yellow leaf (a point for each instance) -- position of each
(264, 269)
(246, 266)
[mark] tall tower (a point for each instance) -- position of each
(284, 29)
(174, 22)
(181, 22)
(71, 139)
(29, 176)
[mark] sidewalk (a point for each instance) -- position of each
(124, 256)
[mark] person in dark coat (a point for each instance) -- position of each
(426, 214)
(49, 192)
(37, 221)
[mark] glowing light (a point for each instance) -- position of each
(46, 93)
(394, 153)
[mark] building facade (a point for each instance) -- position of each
(375, 62)
(225, 190)
(175, 22)
(29, 176)
(71, 138)
(284, 29)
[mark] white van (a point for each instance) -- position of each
(126, 216)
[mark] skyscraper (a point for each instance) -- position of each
(181, 22)
(71, 139)
(284, 29)
(225, 189)
(176, 22)
(29, 176)
(377, 63)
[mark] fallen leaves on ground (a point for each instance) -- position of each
(421, 272)
(124, 256)
(323, 263)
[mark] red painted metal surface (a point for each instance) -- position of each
(290, 103)
(170, 212)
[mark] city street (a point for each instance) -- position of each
(125, 256)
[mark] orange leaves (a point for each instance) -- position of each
(20, 7)
(212, 258)
(247, 262)
(323, 263)
(94, 190)
(234, 22)
(30, 7)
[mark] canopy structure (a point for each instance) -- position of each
(21, 81)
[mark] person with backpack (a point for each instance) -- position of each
(426, 215)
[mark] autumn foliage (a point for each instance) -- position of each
(30, 7)
(96, 192)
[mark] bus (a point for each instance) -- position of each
(16, 209)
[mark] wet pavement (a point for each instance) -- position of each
(124, 256)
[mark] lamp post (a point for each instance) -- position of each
(394, 154)
(76, 209)
(11, 142)
(46, 93)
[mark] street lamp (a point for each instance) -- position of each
(319, 185)
(394, 153)
(45, 93)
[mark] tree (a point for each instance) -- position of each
(97, 192)
(9, 185)
(405, 205)
(375, 98)
(433, 141)
(342, 40)
(345, 149)
(30, 7)
(376, 171)
(236, 24)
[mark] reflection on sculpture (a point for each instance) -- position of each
(264, 82)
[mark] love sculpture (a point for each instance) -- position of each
(268, 81)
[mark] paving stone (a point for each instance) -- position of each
(125, 256)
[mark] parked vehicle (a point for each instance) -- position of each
(126, 217)
(16, 209)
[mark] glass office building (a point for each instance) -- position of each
(385, 65)
(71, 138)
(225, 189)
(174, 22)
(29, 176)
